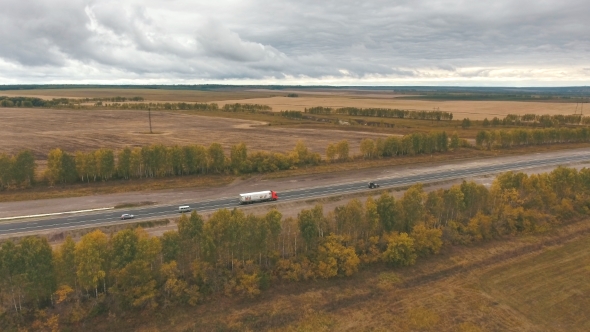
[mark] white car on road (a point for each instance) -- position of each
(127, 216)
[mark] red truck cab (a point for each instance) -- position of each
(274, 195)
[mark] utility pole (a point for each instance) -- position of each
(150, 117)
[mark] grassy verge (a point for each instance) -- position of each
(132, 205)
(114, 187)
(460, 154)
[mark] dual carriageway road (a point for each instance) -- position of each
(153, 212)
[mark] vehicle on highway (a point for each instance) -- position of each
(127, 216)
(373, 185)
(184, 208)
(259, 196)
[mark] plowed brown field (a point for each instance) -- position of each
(41, 130)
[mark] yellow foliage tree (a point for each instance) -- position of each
(334, 258)
(400, 250)
(91, 255)
(426, 241)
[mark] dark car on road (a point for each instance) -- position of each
(373, 185)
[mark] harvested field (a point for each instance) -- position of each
(551, 289)
(475, 110)
(41, 130)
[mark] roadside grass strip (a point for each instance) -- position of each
(54, 214)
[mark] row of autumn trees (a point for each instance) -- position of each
(127, 103)
(536, 120)
(522, 137)
(234, 254)
(161, 161)
(382, 113)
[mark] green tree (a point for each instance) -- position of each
(6, 169)
(12, 269)
(124, 248)
(105, 163)
(67, 268)
(215, 244)
(37, 258)
(434, 204)
(24, 168)
(413, 206)
(238, 157)
(466, 123)
(124, 163)
(371, 220)
(190, 232)
(273, 221)
(176, 160)
(389, 213)
(171, 246)
(216, 157)
(308, 227)
(454, 202)
(68, 163)
(454, 141)
(137, 167)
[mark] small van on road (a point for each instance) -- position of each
(184, 208)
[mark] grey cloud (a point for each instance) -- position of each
(263, 39)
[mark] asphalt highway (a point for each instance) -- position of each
(113, 216)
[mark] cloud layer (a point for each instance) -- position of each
(296, 42)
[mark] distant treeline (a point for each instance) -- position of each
(382, 113)
(292, 114)
(120, 103)
(157, 160)
(33, 102)
(540, 95)
(59, 102)
(522, 137)
(535, 120)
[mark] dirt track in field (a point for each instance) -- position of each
(41, 130)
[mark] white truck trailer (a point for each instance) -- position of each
(259, 196)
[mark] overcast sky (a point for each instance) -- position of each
(407, 42)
